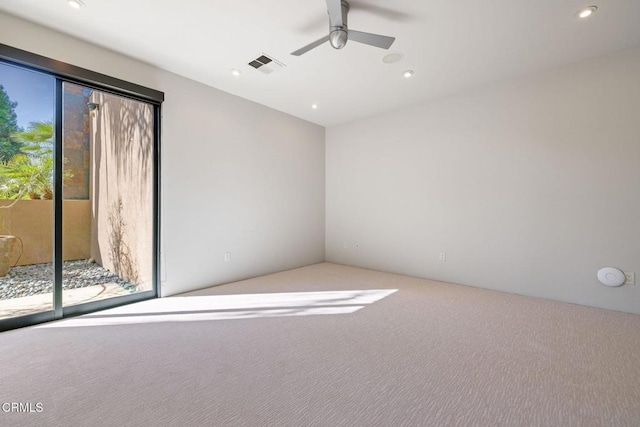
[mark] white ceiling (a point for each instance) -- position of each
(452, 45)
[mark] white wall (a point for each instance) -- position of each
(528, 186)
(236, 176)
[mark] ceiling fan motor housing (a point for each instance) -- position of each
(338, 36)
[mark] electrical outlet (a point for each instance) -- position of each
(443, 256)
(227, 256)
(357, 246)
(630, 278)
(345, 245)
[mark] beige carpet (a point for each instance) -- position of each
(329, 346)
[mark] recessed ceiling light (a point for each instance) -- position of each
(587, 11)
(314, 106)
(76, 4)
(407, 74)
(235, 72)
(392, 57)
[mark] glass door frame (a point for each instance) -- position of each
(63, 72)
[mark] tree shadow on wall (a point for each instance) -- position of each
(123, 261)
(131, 123)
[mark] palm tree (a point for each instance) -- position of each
(25, 176)
(30, 173)
(37, 140)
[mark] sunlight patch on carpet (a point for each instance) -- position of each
(230, 307)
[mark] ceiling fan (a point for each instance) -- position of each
(339, 33)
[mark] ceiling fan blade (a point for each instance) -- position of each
(376, 40)
(310, 46)
(334, 7)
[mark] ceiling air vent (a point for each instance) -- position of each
(266, 64)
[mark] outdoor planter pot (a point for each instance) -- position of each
(7, 244)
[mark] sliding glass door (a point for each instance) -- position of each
(78, 197)
(107, 195)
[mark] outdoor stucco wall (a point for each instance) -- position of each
(32, 221)
(122, 187)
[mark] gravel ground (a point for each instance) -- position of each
(37, 278)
